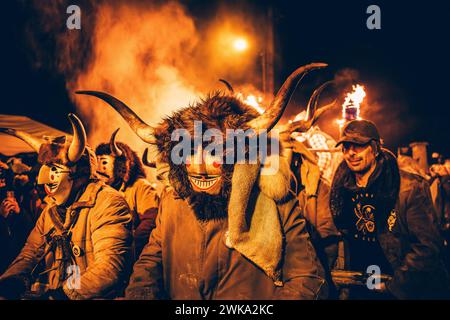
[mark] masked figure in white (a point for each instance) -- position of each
(80, 247)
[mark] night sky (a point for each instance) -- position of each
(406, 61)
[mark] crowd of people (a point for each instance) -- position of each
(79, 223)
(20, 206)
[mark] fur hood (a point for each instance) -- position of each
(216, 111)
(54, 150)
(221, 112)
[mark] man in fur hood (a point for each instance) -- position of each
(224, 230)
(387, 219)
(121, 168)
(80, 247)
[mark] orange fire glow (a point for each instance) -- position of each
(146, 65)
(252, 100)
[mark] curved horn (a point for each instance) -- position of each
(276, 108)
(143, 130)
(115, 150)
(312, 103)
(32, 141)
(145, 159)
(78, 144)
(305, 125)
(229, 87)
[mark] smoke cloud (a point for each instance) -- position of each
(150, 55)
(139, 58)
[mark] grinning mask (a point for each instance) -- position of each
(205, 175)
(61, 158)
(111, 162)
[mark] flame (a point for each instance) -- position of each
(352, 105)
(299, 117)
(252, 100)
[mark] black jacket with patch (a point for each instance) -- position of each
(411, 241)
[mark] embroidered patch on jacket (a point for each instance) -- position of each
(365, 214)
(392, 219)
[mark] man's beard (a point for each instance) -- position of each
(208, 207)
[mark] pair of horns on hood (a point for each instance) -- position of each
(311, 108)
(116, 151)
(266, 121)
(76, 148)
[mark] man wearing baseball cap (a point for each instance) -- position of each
(387, 220)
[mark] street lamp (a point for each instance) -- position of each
(240, 44)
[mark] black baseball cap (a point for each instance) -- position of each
(359, 132)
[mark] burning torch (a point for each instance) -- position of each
(351, 105)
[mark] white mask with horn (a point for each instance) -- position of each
(59, 159)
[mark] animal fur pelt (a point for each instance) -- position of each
(216, 111)
(54, 150)
(254, 223)
(248, 199)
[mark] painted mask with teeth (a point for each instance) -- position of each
(205, 175)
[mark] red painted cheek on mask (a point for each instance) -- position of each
(216, 164)
(52, 177)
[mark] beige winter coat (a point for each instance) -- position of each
(143, 201)
(101, 232)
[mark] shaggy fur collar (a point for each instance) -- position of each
(277, 186)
